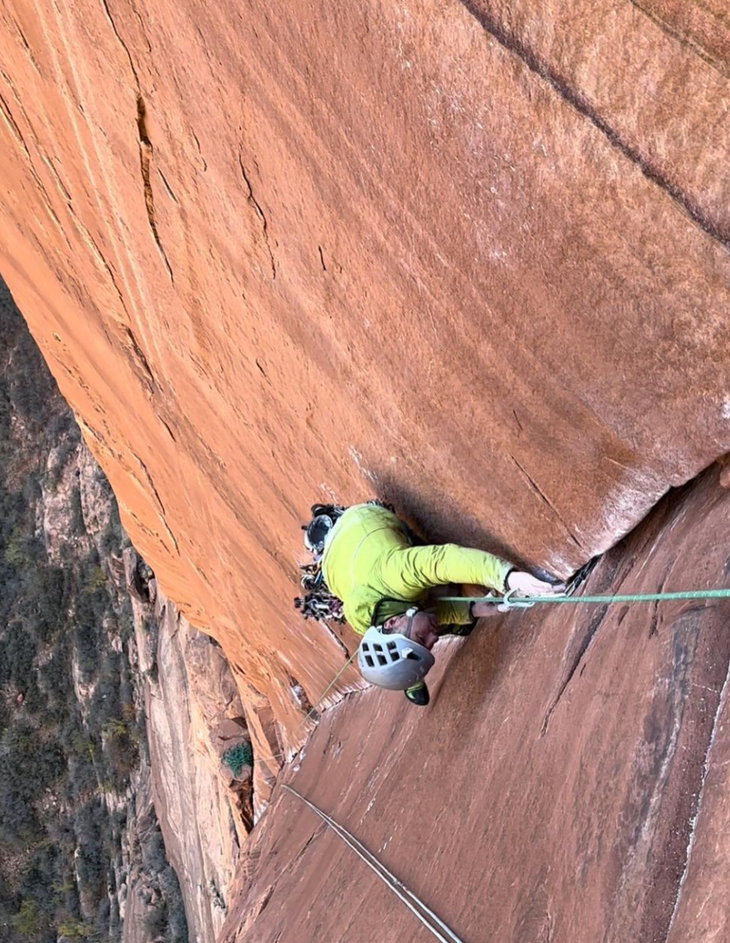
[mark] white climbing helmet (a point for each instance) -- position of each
(393, 661)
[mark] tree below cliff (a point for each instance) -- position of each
(71, 725)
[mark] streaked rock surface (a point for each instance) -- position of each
(274, 253)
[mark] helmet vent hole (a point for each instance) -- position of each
(392, 661)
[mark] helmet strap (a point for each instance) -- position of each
(411, 613)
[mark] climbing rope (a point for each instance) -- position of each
(315, 707)
(524, 602)
(333, 682)
(426, 916)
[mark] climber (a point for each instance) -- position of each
(389, 588)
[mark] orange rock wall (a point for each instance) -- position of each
(471, 257)
(568, 782)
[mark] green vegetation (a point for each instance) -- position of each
(238, 757)
(70, 730)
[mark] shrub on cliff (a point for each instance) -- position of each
(28, 920)
(73, 929)
(60, 748)
(238, 757)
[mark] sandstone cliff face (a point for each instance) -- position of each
(569, 781)
(81, 852)
(470, 256)
(203, 812)
(186, 689)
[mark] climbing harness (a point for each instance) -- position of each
(317, 602)
(427, 917)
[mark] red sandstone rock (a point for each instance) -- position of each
(651, 75)
(568, 781)
(280, 251)
(277, 252)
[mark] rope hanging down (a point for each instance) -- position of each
(427, 917)
(315, 707)
(523, 602)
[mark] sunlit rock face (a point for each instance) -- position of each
(470, 258)
(569, 780)
(190, 698)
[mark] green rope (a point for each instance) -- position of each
(333, 682)
(521, 601)
(315, 707)
(524, 601)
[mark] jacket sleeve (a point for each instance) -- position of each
(413, 570)
(355, 618)
(451, 613)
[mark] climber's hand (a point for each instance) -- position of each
(525, 584)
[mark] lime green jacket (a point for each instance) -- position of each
(369, 562)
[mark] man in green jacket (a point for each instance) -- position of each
(370, 563)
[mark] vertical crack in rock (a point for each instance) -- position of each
(302, 851)
(654, 624)
(48, 161)
(580, 103)
(544, 498)
(168, 428)
(337, 640)
(163, 512)
(91, 242)
(26, 46)
(170, 191)
(145, 145)
(698, 806)
(593, 626)
(259, 212)
(145, 158)
(141, 358)
(105, 4)
(200, 150)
